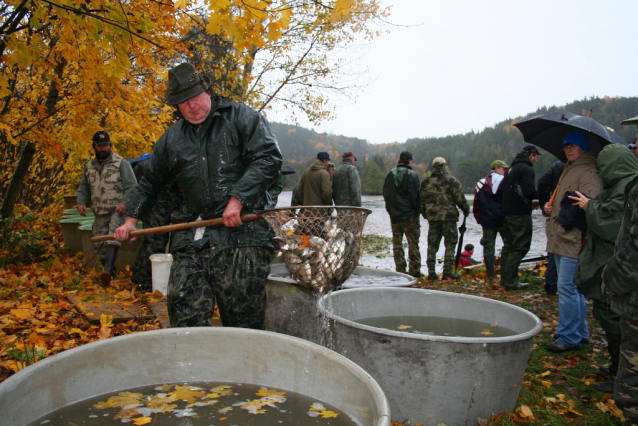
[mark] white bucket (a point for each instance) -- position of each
(160, 271)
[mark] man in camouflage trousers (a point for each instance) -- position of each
(401, 195)
(223, 157)
(441, 193)
(108, 182)
(620, 283)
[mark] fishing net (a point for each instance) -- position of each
(320, 244)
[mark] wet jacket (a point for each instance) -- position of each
(315, 187)
(488, 204)
(233, 153)
(519, 187)
(440, 194)
(107, 184)
(346, 185)
(582, 176)
(620, 276)
(604, 216)
(401, 193)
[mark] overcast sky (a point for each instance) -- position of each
(462, 65)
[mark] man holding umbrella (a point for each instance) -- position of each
(580, 175)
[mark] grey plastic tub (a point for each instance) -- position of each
(292, 309)
(432, 379)
(232, 355)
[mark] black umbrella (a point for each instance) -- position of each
(462, 229)
(548, 131)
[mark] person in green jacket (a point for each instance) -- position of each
(315, 187)
(441, 194)
(223, 157)
(604, 215)
(346, 184)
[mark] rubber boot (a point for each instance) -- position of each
(109, 264)
(489, 267)
(613, 347)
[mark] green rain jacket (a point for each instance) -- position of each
(346, 185)
(604, 216)
(440, 194)
(233, 153)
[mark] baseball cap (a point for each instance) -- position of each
(323, 155)
(405, 155)
(498, 163)
(438, 161)
(531, 149)
(101, 137)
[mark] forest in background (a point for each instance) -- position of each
(468, 155)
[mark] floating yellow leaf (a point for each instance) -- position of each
(268, 392)
(142, 421)
(122, 399)
(486, 332)
(327, 414)
(404, 327)
(187, 393)
(225, 410)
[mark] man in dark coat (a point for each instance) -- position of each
(223, 157)
(315, 186)
(401, 195)
(546, 186)
(519, 193)
(488, 212)
(346, 184)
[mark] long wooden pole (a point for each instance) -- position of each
(178, 227)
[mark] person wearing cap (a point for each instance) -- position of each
(108, 181)
(331, 169)
(346, 184)
(580, 175)
(519, 195)
(441, 194)
(401, 195)
(488, 212)
(633, 149)
(223, 157)
(315, 187)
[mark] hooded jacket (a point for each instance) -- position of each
(604, 216)
(401, 193)
(440, 194)
(582, 176)
(488, 203)
(233, 153)
(315, 187)
(519, 187)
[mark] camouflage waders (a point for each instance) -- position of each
(411, 228)
(488, 240)
(106, 224)
(626, 385)
(235, 277)
(159, 215)
(517, 239)
(447, 230)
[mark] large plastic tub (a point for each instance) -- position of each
(125, 256)
(432, 379)
(292, 308)
(216, 354)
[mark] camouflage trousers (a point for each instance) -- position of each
(411, 228)
(626, 384)
(446, 230)
(235, 277)
(159, 215)
(488, 240)
(106, 224)
(517, 239)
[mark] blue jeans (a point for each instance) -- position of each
(572, 324)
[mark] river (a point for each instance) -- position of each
(378, 222)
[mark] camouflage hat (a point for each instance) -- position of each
(101, 137)
(185, 82)
(498, 163)
(438, 161)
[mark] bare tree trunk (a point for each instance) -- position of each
(17, 180)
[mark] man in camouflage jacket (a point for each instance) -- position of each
(441, 194)
(346, 184)
(620, 283)
(108, 181)
(223, 157)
